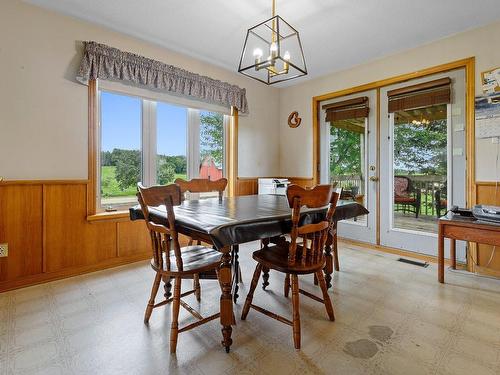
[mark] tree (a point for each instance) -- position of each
(106, 158)
(128, 167)
(212, 136)
(345, 152)
(421, 149)
(165, 172)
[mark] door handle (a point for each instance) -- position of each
(374, 178)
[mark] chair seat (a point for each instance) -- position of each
(195, 259)
(405, 200)
(276, 257)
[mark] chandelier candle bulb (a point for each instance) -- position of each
(257, 53)
(286, 58)
(273, 50)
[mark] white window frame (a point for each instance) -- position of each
(149, 140)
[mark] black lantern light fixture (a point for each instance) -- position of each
(272, 52)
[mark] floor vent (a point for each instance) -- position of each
(414, 262)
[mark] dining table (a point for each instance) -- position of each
(230, 221)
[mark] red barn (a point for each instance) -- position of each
(209, 170)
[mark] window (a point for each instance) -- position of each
(154, 142)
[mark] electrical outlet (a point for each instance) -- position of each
(4, 249)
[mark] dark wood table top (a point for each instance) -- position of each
(236, 220)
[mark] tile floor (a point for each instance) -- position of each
(392, 318)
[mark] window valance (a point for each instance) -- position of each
(103, 62)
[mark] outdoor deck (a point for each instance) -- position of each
(424, 223)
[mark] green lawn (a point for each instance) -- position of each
(110, 187)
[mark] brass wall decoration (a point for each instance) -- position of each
(294, 120)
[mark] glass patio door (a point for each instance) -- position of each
(422, 151)
(348, 146)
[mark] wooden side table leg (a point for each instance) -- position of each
(453, 253)
(226, 299)
(440, 254)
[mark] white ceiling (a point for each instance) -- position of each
(336, 34)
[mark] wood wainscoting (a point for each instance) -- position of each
(49, 237)
(488, 193)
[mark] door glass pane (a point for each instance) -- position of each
(171, 148)
(347, 160)
(120, 149)
(211, 147)
(420, 168)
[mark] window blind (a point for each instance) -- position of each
(347, 109)
(422, 95)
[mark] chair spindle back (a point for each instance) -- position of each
(162, 236)
(202, 185)
(314, 235)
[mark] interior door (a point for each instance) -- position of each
(348, 158)
(423, 165)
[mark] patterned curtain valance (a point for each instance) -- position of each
(102, 62)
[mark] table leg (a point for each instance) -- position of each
(453, 253)
(236, 270)
(265, 270)
(226, 300)
(440, 254)
(328, 270)
(167, 287)
(265, 277)
(335, 253)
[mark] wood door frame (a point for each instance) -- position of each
(469, 65)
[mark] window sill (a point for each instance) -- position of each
(122, 215)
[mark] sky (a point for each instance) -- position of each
(121, 125)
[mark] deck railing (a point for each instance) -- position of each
(427, 184)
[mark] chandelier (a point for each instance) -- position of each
(272, 51)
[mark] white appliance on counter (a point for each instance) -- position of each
(276, 186)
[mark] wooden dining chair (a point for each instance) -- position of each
(295, 259)
(170, 260)
(203, 185)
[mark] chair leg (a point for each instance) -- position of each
(295, 311)
(253, 285)
(315, 280)
(197, 287)
(174, 330)
(326, 298)
(287, 285)
(190, 242)
(154, 291)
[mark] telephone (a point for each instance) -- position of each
(487, 213)
(461, 211)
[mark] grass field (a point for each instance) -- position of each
(110, 187)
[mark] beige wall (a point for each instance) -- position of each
(43, 110)
(296, 144)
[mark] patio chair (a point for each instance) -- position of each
(406, 197)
